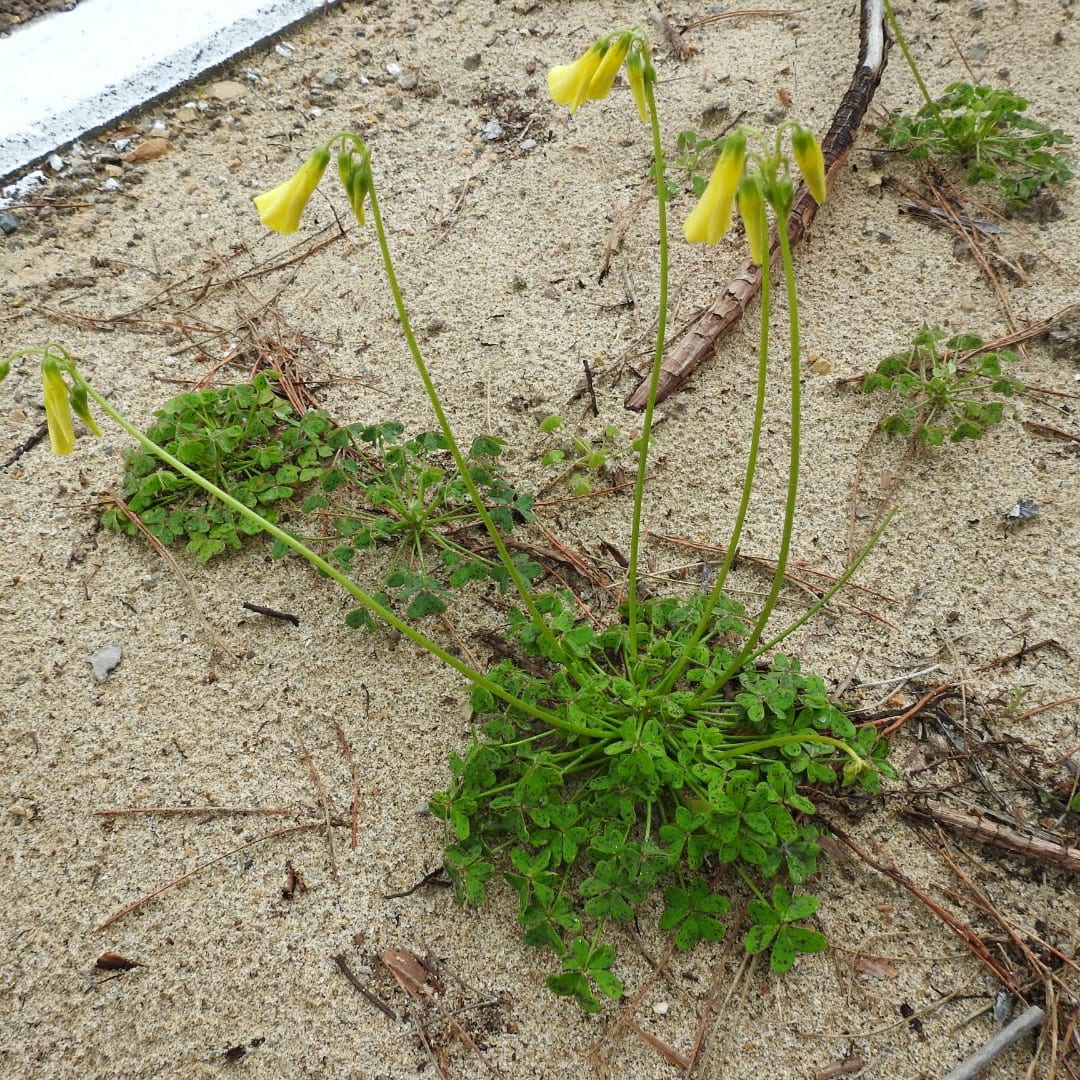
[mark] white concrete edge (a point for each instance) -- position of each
(46, 109)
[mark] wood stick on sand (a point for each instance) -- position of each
(726, 311)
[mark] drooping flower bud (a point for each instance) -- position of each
(751, 202)
(355, 172)
(77, 399)
(57, 407)
(811, 161)
(638, 70)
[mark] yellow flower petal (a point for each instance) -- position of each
(57, 409)
(281, 207)
(568, 84)
(711, 218)
(600, 84)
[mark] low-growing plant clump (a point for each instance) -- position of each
(943, 399)
(664, 748)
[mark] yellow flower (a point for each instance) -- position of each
(751, 201)
(568, 84)
(711, 218)
(637, 67)
(57, 408)
(600, 84)
(811, 161)
(281, 207)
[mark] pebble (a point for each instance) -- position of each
(104, 661)
(9, 223)
(393, 69)
(471, 62)
(492, 130)
(408, 80)
(661, 1008)
(112, 184)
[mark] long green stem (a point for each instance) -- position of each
(826, 596)
(444, 425)
(901, 41)
(654, 377)
(366, 601)
(700, 630)
(793, 459)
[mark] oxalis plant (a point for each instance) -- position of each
(671, 751)
(985, 129)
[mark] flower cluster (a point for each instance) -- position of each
(592, 75)
(280, 208)
(770, 184)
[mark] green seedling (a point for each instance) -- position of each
(984, 129)
(942, 399)
(407, 496)
(244, 439)
(665, 747)
(580, 462)
(695, 156)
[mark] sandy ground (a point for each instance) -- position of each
(499, 244)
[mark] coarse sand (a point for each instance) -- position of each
(153, 269)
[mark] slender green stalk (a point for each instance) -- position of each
(679, 666)
(358, 594)
(743, 749)
(459, 459)
(900, 40)
(793, 460)
(654, 377)
(825, 597)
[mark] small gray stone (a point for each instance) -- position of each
(104, 660)
(408, 80)
(493, 130)
(8, 223)
(332, 81)
(471, 62)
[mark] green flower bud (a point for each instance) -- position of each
(751, 202)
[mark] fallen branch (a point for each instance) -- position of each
(976, 827)
(726, 311)
(973, 1066)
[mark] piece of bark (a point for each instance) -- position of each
(980, 828)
